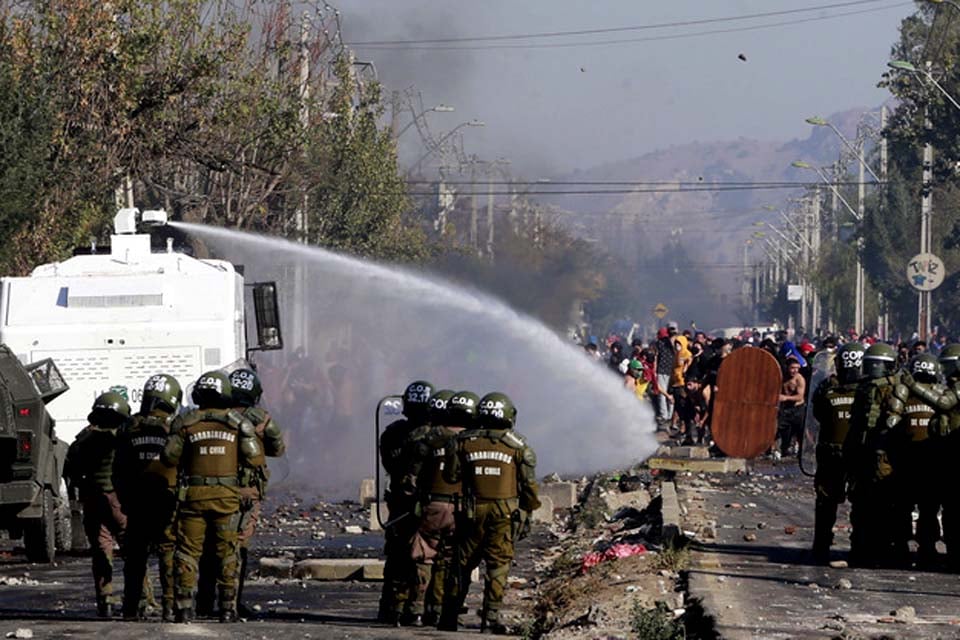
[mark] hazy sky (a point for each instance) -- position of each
(557, 109)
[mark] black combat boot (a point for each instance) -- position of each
(104, 609)
(185, 615)
(411, 620)
(431, 618)
(228, 615)
(167, 613)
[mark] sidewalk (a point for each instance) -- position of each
(752, 572)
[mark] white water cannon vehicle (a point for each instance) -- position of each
(113, 319)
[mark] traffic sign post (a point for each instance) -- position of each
(925, 272)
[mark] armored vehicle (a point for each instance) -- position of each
(33, 501)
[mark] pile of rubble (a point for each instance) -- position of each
(608, 565)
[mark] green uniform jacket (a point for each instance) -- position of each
(89, 463)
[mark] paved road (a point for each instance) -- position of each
(768, 587)
(61, 605)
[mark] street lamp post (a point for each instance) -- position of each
(447, 136)
(440, 108)
(859, 279)
(817, 121)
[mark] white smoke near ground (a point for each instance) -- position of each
(356, 331)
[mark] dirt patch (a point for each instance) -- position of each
(617, 513)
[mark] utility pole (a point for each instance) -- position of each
(883, 320)
(474, 233)
(805, 267)
(815, 258)
(926, 210)
(490, 214)
(858, 314)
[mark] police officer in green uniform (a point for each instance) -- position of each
(433, 541)
(88, 469)
(867, 455)
(832, 403)
(247, 392)
(208, 451)
(498, 470)
(916, 457)
(944, 430)
(399, 570)
(148, 492)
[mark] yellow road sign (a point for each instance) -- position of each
(661, 310)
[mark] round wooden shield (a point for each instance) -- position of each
(745, 409)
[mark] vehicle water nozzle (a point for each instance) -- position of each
(154, 218)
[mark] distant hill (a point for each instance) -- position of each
(713, 225)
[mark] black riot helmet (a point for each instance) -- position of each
(161, 392)
(462, 408)
(437, 411)
(497, 411)
(245, 387)
(879, 360)
(212, 391)
(110, 411)
(949, 357)
(924, 367)
(416, 398)
(850, 362)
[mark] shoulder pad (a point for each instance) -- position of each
(513, 439)
(256, 415)
(235, 418)
(901, 392)
(421, 433)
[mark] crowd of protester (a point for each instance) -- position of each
(676, 372)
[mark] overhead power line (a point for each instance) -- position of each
(593, 43)
(582, 32)
(636, 183)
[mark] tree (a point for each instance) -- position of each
(357, 202)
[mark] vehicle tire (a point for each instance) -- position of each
(64, 526)
(39, 534)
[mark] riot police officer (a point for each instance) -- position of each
(433, 541)
(88, 469)
(247, 391)
(945, 431)
(208, 451)
(147, 490)
(399, 570)
(832, 402)
(915, 461)
(498, 470)
(867, 455)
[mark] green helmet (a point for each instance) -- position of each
(497, 411)
(245, 387)
(849, 361)
(110, 410)
(879, 360)
(462, 407)
(948, 360)
(212, 391)
(161, 392)
(415, 399)
(924, 367)
(438, 405)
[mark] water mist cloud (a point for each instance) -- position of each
(370, 329)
